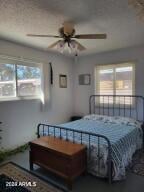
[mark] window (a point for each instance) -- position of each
(116, 79)
(18, 80)
(28, 81)
(7, 81)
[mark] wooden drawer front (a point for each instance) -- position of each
(51, 159)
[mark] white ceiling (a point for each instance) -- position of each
(114, 17)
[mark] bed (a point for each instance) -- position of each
(111, 132)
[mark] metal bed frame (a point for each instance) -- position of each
(97, 105)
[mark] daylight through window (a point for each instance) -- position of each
(116, 79)
(19, 81)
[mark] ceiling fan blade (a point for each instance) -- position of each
(80, 46)
(91, 36)
(33, 35)
(54, 44)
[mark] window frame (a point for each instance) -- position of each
(24, 63)
(114, 66)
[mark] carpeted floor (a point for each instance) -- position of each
(85, 183)
(137, 165)
(14, 178)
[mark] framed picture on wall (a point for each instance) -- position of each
(84, 79)
(62, 81)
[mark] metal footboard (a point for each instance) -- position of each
(57, 131)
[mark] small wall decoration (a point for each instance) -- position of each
(84, 79)
(62, 81)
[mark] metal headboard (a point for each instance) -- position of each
(118, 105)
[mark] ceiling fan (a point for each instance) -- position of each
(67, 33)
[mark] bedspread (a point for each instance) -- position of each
(124, 139)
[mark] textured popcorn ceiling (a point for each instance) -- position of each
(114, 17)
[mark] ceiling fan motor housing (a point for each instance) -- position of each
(66, 34)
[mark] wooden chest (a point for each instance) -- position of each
(64, 158)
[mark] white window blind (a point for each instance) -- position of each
(116, 79)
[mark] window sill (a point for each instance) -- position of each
(19, 98)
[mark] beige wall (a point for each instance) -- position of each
(86, 64)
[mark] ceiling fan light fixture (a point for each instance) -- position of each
(73, 44)
(60, 46)
(70, 47)
(74, 47)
